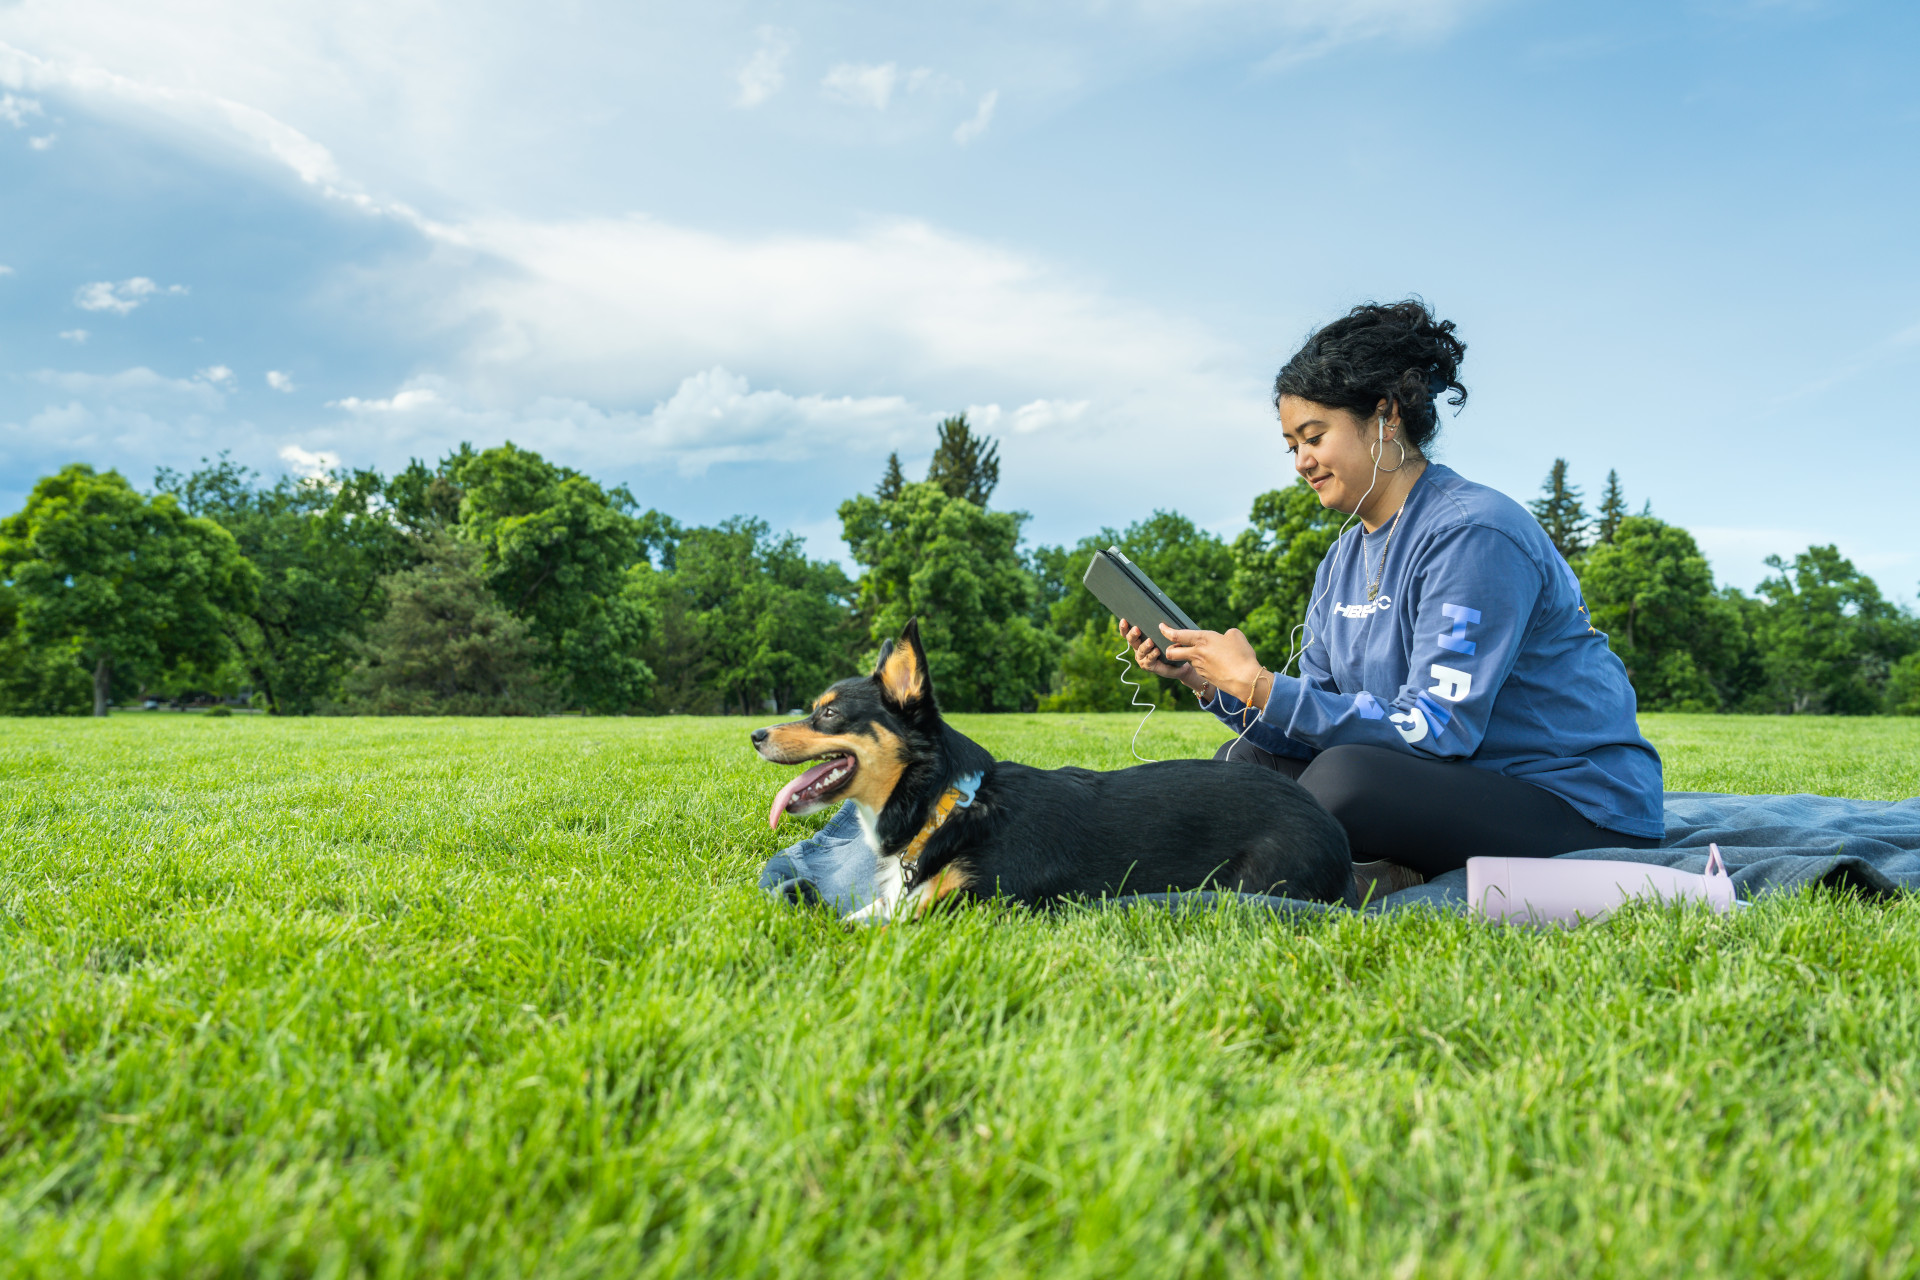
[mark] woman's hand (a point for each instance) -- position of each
(1147, 654)
(1223, 661)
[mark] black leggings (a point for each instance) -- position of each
(1432, 815)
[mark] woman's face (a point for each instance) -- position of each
(1330, 449)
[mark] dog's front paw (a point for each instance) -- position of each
(877, 912)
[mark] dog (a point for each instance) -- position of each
(1037, 836)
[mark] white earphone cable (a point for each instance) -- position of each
(1298, 648)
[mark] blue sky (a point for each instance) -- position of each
(732, 254)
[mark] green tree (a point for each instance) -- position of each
(1275, 557)
(1090, 674)
(956, 566)
(557, 549)
(36, 680)
(1827, 639)
(1651, 592)
(425, 499)
(890, 480)
(322, 548)
(745, 617)
(1559, 512)
(1613, 509)
(964, 465)
(1903, 686)
(1192, 565)
(446, 646)
(121, 580)
(1055, 576)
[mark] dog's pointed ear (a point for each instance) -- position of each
(903, 669)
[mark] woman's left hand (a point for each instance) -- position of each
(1224, 661)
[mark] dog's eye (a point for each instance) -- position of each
(827, 715)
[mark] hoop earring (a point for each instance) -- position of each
(1376, 451)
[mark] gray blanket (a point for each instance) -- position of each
(1769, 843)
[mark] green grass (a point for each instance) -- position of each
(500, 998)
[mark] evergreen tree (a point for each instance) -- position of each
(891, 481)
(1613, 509)
(1559, 512)
(964, 466)
(446, 645)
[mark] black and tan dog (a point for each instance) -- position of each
(1037, 835)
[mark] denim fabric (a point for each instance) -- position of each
(835, 865)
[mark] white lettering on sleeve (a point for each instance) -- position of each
(1410, 724)
(1454, 684)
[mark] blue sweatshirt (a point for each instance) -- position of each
(1477, 648)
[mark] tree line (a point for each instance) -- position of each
(495, 582)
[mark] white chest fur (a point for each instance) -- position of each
(889, 881)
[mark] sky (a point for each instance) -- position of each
(732, 254)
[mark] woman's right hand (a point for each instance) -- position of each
(1147, 654)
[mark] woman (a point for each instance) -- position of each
(1453, 698)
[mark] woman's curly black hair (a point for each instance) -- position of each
(1395, 352)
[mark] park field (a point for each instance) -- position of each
(500, 998)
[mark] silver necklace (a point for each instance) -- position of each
(1373, 583)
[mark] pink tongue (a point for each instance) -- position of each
(786, 793)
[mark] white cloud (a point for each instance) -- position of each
(196, 109)
(74, 335)
(857, 85)
(927, 80)
(42, 143)
(5, 270)
(312, 466)
(891, 323)
(765, 72)
(136, 386)
(219, 375)
(971, 129)
(1041, 414)
(896, 305)
(104, 295)
(15, 110)
(119, 436)
(716, 417)
(279, 381)
(1035, 415)
(401, 402)
(711, 417)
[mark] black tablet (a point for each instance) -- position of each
(1118, 583)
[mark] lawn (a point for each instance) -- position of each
(498, 998)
